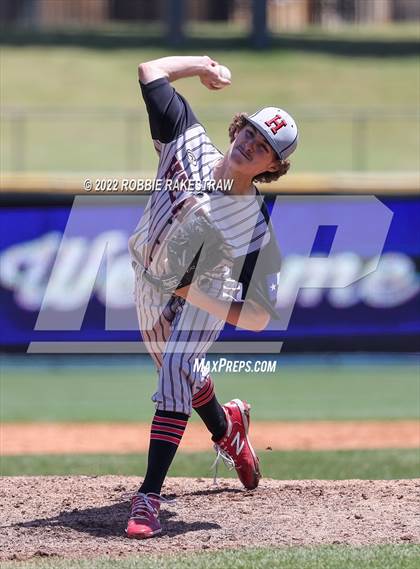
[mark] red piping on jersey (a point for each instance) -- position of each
(173, 168)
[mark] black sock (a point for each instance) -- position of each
(210, 410)
(165, 435)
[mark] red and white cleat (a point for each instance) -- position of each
(144, 516)
(234, 448)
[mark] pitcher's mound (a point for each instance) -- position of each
(83, 516)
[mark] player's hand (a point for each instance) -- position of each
(210, 77)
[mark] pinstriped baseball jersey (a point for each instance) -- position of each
(236, 217)
(174, 331)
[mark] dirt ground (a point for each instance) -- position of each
(61, 438)
(85, 516)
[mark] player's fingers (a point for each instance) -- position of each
(215, 84)
(220, 85)
(206, 82)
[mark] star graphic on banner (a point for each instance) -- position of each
(273, 287)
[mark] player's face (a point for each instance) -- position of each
(252, 153)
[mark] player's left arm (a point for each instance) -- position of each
(247, 314)
(254, 312)
(261, 269)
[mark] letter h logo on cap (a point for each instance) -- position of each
(276, 123)
(279, 129)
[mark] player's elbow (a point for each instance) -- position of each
(261, 323)
(150, 71)
(143, 71)
(259, 318)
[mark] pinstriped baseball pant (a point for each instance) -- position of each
(175, 334)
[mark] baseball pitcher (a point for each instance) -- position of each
(201, 256)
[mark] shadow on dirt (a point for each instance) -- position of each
(109, 521)
(216, 490)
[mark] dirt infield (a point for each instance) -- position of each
(85, 516)
(62, 438)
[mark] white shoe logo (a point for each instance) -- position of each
(237, 442)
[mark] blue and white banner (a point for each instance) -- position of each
(349, 278)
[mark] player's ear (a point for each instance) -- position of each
(275, 166)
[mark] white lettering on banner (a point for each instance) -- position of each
(77, 267)
(361, 222)
(393, 283)
(59, 273)
(26, 269)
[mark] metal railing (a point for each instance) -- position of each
(76, 140)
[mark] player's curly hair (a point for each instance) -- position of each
(239, 121)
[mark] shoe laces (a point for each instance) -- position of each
(223, 456)
(143, 504)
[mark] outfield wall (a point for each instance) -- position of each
(90, 280)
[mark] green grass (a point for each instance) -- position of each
(291, 465)
(311, 391)
(99, 79)
(306, 83)
(326, 557)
